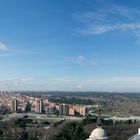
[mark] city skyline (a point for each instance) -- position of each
(70, 45)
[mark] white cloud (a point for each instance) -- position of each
(130, 83)
(110, 84)
(93, 84)
(60, 79)
(2, 46)
(17, 84)
(93, 63)
(81, 58)
(78, 59)
(99, 29)
(126, 79)
(107, 19)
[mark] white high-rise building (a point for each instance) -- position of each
(64, 109)
(14, 106)
(40, 106)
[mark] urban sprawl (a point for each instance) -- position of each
(20, 103)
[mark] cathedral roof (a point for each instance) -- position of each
(98, 134)
(136, 137)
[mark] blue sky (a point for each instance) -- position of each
(70, 45)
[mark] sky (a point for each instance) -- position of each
(70, 45)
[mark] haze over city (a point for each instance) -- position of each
(70, 45)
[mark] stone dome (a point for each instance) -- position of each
(136, 137)
(98, 134)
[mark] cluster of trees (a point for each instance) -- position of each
(72, 131)
(107, 122)
(120, 130)
(17, 129)
(72, 100)
(22, 122)
(25, 136)
(26, 129)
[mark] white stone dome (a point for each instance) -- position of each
(136, 137)
(98, 134)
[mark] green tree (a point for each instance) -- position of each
(24, 136)
(33, 138)
(72, 131)
(1, 132)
